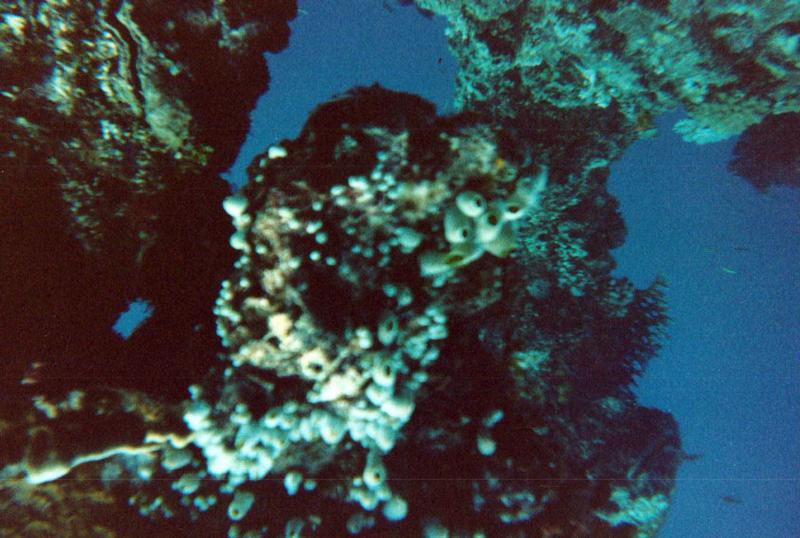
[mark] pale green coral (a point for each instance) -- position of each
(646, 513)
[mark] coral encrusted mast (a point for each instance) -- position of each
(411, 328)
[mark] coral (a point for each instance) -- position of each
(615, 65)
(769, 153)
(354, 310)
(368, 292)
(120, 79)
(64, 459)
(109, 115)
(69, 510)
(384, 260)
(416, 309)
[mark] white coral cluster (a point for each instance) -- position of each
(361, 381)
(473, 226)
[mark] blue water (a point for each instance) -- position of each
(730, 372)
(367, 43)
(139, 310)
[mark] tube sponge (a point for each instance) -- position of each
(374, 474)
(471, 203)
(383, 373)
(332, 429)
(235, 205)
(504, 244)
(240, 505)
(457, 226)
(489, 224)
(388, 328)
(437, 263)
(395, 509)
(292, 482)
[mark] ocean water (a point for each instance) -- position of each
(730, 371)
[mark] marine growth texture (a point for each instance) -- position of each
(411, 336)
(403, 325)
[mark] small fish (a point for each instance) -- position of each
(686, 456)
(729, 271)
(34, 374)
(731, 499)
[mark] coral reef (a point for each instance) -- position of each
(68, 435)
(110, 155)
(389, 362)
(421, 337)
(110, 115)
(616, 65)
(410, 326)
